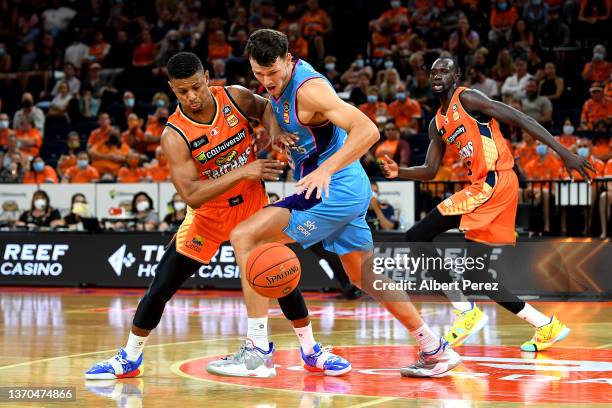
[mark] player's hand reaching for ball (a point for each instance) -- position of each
(265, 169)
(580, 164)
(389, 168)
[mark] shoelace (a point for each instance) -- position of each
(238, 354)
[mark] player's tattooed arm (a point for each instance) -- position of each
(428, 170)
(257, 107)
(187, 182)
(474, 100)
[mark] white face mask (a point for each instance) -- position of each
(142, 206)
(568, 129)
(40, 203)
(179, 205)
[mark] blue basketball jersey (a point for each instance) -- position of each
(316, 143)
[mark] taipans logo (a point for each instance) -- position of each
(199, 142)
(203, 157)
(119, 259)
(458, 132)
(227, 158)
(198, 240)
(286, 117)
(195, 244)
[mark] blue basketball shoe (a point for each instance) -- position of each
(116, 367)
(323, 360)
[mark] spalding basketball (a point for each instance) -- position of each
(273, 270)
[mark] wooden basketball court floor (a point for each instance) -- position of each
(50, 336)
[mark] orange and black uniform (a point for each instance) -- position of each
(217, 148)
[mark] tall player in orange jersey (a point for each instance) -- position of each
(467, 121)
(208, 143)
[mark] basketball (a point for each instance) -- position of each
(273, 270)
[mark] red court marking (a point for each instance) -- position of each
(488, 373)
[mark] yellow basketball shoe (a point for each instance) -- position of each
(465, 325)
(546, 336)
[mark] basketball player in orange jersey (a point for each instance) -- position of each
(467, 121)
(213, 167)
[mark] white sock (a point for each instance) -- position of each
(305, 338)
(257, 332)
(533, 316)
(463, 306)
(134, 346)
(425, 338)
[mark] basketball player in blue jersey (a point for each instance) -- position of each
(333, 193)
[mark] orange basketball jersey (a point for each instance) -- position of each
(488, 204)
(217, 148)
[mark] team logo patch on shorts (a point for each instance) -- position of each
(195, 244)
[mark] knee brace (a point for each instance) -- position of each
(293, 306)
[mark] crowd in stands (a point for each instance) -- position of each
(84, 94)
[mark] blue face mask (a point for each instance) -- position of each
(400, 96)
(82, 163)
(583, 152)
(372, 98)
(502, 6)
(160, 103)
(388, 64)
(359, 63)
(541, 149)
(129, 102)
(330, 66)
(38, 166)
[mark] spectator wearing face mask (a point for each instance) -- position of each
(503, 17)
(5, 130)
(332, 75)
(30, 139)
(132, 172)
(601, 142)
(108, 156)
(544, 167)
(40, 173)
(374, 108)
(597, 108)
(174, 219)
(82, 171)
(567, 137)
(142, 209)
(598, 69)
(350, 77)
(406, 111)
(40, 214)
(159, 170)
(70, 158)
(30, 114)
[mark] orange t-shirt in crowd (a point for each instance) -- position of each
(219, 51)
(108, 166)
(131, 175)
(550, 168)
(608, 90)
(134, 140)
(600, 72)
(32, 151)
(313, 23)
(392, 14)
(608, 169)
(158, 173)
(97, 135)
(386, 147)
(567, 140)
(156, 130)
(98, 50)
(48, 175)
(597, 164)
(405, 112)
(67, 163)
(381, 44)
(593, 111)
(601, 149)
(87, 175)
(525, 152)
(371, 109)
(299, 48)
(4, 134)
(503, 19)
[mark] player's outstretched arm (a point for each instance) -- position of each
(427, 171)
(185, 177)
(474, 100)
